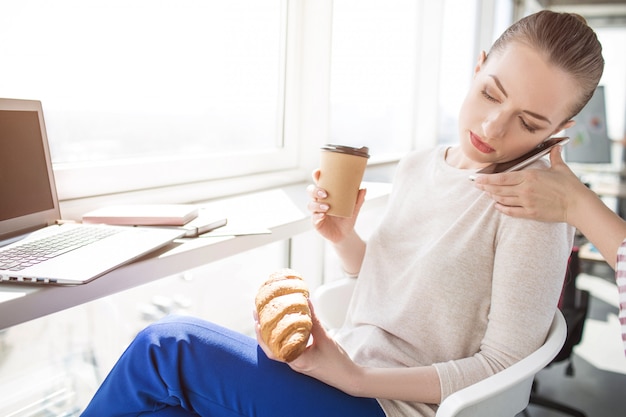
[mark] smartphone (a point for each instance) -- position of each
(528, 158)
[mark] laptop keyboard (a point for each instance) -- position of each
(37, 251)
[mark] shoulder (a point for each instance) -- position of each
(533, 236)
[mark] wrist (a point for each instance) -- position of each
(351, 250)
(581, 203)
(355, 385)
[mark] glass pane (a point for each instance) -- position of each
(457, 63)
(124, 79)
(372, 73)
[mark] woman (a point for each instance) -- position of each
(556, 195)
(449, 292)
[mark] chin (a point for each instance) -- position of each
(472, 153)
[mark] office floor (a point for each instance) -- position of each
(598, 386)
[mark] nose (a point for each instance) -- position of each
(495, 125)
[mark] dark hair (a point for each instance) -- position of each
(567, 42)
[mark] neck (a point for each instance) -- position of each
(456, 158)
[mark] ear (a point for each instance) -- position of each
(481, 61)
(565, 125)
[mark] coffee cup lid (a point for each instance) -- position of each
(362, 151)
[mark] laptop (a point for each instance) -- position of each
(30, 214)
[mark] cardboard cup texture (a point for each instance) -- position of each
(341, 173)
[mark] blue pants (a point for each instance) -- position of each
(182, 366)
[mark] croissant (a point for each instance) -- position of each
(284, 314)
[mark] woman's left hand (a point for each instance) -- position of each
(323, 358)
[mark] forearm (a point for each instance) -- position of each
(351, 251)
(419, 384)
(605, 229)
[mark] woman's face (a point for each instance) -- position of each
(516, 100)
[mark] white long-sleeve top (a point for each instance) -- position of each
(450, 281)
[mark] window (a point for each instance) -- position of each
(140, 95)
(469, 27)
(131, 87)
(458, 57)
(374, 46)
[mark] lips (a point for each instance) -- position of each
(480, 145)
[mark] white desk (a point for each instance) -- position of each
(282, 212)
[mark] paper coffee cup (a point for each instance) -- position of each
(341, 173)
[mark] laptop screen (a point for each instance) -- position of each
(27, 194)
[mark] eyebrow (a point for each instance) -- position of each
(533, 114)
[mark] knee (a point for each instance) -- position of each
(161, 333)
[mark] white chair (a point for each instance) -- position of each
(503, 394)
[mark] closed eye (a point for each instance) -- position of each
(528, 127)
(488, 96)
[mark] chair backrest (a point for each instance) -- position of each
(331, 301)
(574, 305)
(503, 394)
(506, 393)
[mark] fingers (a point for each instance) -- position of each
(259, 338)
(318, 329)
(497, 191)
(504, 188)
(316, 193)
(503, 179)
(555, 156)
(360, 198)
(316, 207)
(513, 211)
(319, 339)
(316, 175)
(506, 200)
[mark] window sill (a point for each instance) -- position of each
(205, 191)
(186, 193)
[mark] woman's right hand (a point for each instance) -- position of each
(333, 228)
